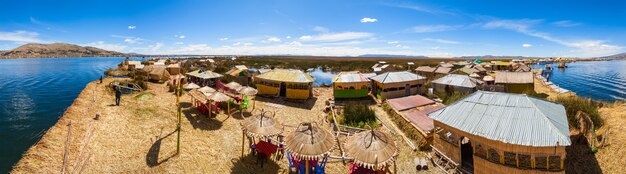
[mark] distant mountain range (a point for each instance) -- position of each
(34, 50)
(616, 56)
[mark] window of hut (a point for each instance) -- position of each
(340, 87)
(555, 162)
(363, 87)
(414, 86)
(401, 88)
(351, 87)
(480, 151)
(393, 89)
(494, 156)
(509, 159)
(385, 90)
(540, 162)
(524, 161)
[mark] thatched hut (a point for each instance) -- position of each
(350, 85)
(456, 83)
(173, 69)
(492, 132)
(396, 84)
(157, 73)
(516, 82)
(290, 83)
(240, 74)
(426, 71)
(204, 78)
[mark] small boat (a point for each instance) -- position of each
(562, 65)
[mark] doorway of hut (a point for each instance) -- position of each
(283, 89)
(467, 155)
(408, 89)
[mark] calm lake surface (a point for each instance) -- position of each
(600, 80)
(34, 93)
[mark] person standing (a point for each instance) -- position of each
(100, 79)
(118, 95)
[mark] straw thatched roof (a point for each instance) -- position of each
(309, 141)
(198, 96)
(249, 91)
(233, 85)
(190, 86)
(371, 149)
(286, 75)
(262, 126)
(219, 97)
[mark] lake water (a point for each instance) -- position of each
(322, 77)
(600, 80)
(34, 93)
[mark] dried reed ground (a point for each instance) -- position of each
(139, 137)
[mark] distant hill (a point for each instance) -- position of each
(616, 56)
(390, 55)
(34, 50)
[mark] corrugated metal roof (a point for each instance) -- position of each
(409, 102)
(393, 77)
(287, 75)
(349, 77)
(514, 77)
(241, 67)
(509, 118)
(204, 74)
(458, 80)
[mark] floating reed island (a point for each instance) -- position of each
(246, 115)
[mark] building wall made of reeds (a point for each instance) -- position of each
(395, 90)
(496, 156)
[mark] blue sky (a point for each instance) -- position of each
(437, 28)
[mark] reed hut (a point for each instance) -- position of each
(426, 71)
(456, 83)
(204, 78)
(396, 84)
(516, 82)
(240, 74)
(157, 73)
(289, 83)
(350, 85)
(492, 132)
(173, 69)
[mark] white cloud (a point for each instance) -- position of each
(443, 41)
(20, 36)
(393, 42)
(320, 29)
(181, 36)
(132, 27)
(179, 43)
(424, 9)
(333, 37)
(566, 23)
(223, 39)
(587, 48)
(247, 44)
(296, 43)
(288, 37)
(129, 39)
(434, 28)
(366, 20)
(273, 39)
(237, 44)
(435, 48)
(526, 45)
(306, 37)
(106, 46)
(156, 47)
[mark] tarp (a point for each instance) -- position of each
(409, 102)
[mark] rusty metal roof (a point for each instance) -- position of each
(409, 102)
(509, 118)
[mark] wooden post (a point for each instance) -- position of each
(395, 168)
(253, 102)
(228, 106)
(243, 143)
(563, 162)
(501, 157)
(517, 160)
(306, 166)
(178, 113)
(210, 108)
(532, 161)
(547, 162)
